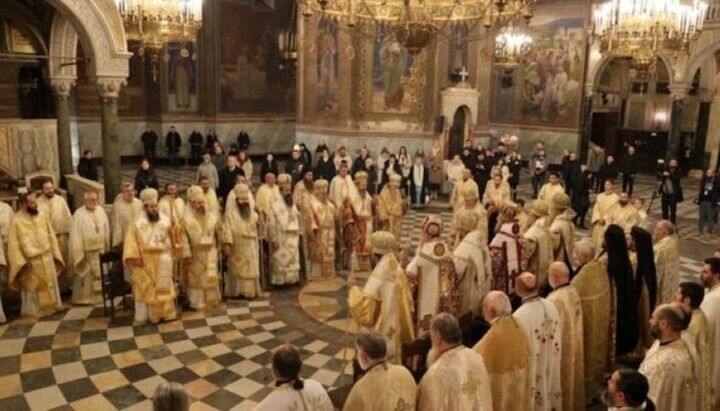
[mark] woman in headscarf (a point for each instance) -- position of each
(643, 261)
(617, 261)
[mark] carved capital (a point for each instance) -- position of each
(109, 87)
(589, 90)
(61, 87)
(706, 96)
(679, 90)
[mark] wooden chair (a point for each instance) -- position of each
(414, 357)
(113, 281)
(338, 396)
(473, 329)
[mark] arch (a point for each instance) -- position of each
(708, 44)
(63, 43)
(595, 72)
(28, 23)
(99, 29)
(460, 126)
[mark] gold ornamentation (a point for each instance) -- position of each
(350, 52)
(646, 30)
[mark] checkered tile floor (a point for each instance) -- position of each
(73, 360)
(76, 360)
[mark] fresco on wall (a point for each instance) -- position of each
(392, 74)
(252, 77)
(327, 65)
(547, 90)
(182, 77)
(137, 64)
(458, 51)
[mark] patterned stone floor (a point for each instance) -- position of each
(76, 360)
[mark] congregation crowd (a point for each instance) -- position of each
(562, 314)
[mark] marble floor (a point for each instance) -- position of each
(76, 360)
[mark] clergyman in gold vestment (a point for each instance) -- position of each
(506, 352)
(149, 249)
(671, 362)
(34, 258)
(384, 386)
(385, 303)
(572, 366)
(593, 286)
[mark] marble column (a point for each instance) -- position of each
(584, 143)
(61, 88)
(698, 160)
(623, 109)
(678, 92)
(109, 89)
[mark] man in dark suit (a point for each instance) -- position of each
(629, 169)
(196, 143)
(227, 177)
(670, 191)
(172, 146)
(149, 140)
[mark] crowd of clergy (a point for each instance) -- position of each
(562, 315)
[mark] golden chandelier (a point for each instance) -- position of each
(156, 22)
(415, 23)
(512, 47)
(647, 29)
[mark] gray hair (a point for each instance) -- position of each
(499, 302)
(667, 226)
(447, 328)
(372, 344)
(585, 248)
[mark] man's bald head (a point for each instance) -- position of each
(669, 319)
(526, 285)
(495, 304)
(558, 274)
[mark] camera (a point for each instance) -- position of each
(660, 168)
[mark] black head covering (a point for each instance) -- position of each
(627, 330)
(646, 272)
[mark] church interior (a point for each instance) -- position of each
(437, 78)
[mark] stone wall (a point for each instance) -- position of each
(77, 186)
(27, 146)
(275, 136)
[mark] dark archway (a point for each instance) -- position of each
(458, 130)
(34, 96)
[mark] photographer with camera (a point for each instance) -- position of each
(670, 190)
(708, 199)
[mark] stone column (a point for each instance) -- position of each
(109, 89)
(678, 92)
(698, 160)
(623, 109)
(586, 126)
(61, 88)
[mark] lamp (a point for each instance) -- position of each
(512, 47)
(647, 29)
(156, 22)
(660, 119)
(417, 22)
